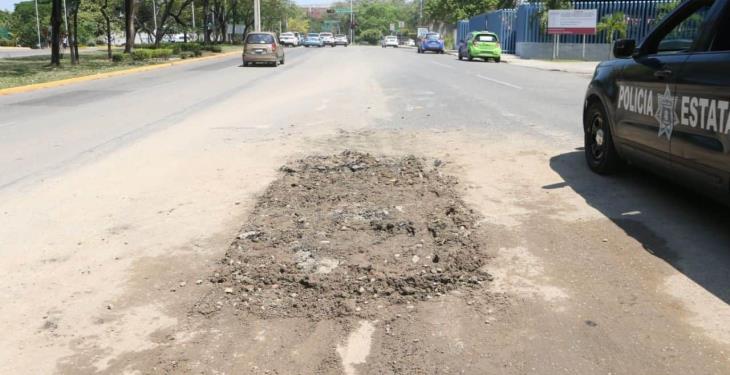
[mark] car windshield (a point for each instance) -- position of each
(259, 39)
(287, 34)
(312, 35)
(486, 38)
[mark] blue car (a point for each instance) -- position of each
(431, 42)
(313, 40)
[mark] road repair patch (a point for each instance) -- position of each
(349, 234)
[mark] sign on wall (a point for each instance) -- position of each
(572, 21)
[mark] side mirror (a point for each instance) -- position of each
(623, 48)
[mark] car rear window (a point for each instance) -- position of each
(433, 37)
(260, 39)
(486, 38)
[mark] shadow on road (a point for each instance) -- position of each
(685, 229)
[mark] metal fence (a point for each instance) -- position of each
(502, 22)
(524, 24)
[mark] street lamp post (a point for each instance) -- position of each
(37, 24)
(154, 17)
(257, 15)
(352, 30)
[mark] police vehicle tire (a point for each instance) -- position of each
(600, 152)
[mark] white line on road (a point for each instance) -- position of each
(500, 82)
(444, 65)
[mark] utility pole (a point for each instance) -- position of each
(154, 17)
(257, 15)
(37, 24)
(352, 30)
(420, 15)
(65, 17)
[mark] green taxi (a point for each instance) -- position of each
(482, 45)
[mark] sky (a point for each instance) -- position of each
(9, 4)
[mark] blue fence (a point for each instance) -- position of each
(524, 23)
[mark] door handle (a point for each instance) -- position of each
(666, 73)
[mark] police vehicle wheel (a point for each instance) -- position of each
(600, 152)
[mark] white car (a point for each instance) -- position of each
(390, 41)
(288, 39)
(341, 40)
(328, 39)
(411, 43)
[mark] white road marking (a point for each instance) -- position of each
(500, 82)
(444, 65)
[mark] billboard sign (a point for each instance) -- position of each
(572, 21)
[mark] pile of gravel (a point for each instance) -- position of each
(349, 234)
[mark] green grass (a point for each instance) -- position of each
(22, 71)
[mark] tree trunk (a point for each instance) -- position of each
(130, 8)
(75, 46)
(108, 24)
(206, 19)
(56, 33)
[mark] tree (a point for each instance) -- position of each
(612, 24)
(451, 11)
(106, 14)
(300, 25)
(22, 22)
(130, 9)
(56, 33)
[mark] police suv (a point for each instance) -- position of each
(665, 105)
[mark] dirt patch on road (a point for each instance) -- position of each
(349, 234)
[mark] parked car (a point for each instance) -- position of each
(313, 40)
(327, 39)
(341, 40)
(431, 42)
(389, 41)
(300, 38)
(665, 105)
(288, 39)
(409, 42)
(482, 45)
(261, 47)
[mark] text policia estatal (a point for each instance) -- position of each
(696, 112)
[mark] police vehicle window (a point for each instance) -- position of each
(722, 38)
(683, 35)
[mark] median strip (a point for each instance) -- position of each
(116, 73)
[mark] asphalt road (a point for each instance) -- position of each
(47, 131)
(117, 195)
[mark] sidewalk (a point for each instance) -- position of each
(569, 66)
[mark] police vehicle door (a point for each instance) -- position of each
(701, 142)
(645, 117)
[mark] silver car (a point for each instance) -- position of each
(261, 47)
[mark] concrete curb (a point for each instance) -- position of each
(116, 73)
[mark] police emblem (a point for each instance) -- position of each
(665, 114)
